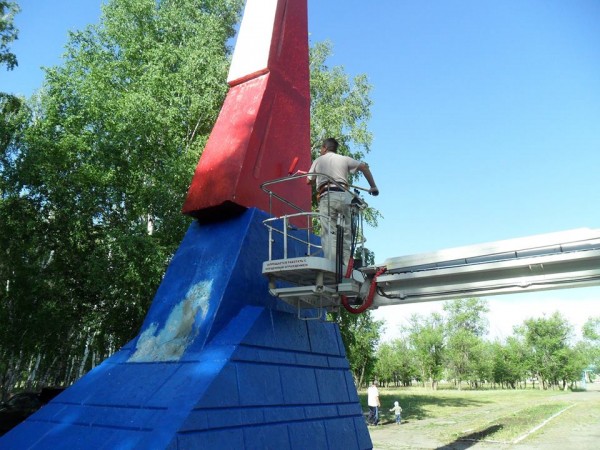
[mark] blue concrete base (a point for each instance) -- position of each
(218, 364)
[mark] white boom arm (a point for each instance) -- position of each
(542, 262)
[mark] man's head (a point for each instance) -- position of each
(329, 145)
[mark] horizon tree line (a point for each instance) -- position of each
(453, 347)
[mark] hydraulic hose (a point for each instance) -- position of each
(369, 300)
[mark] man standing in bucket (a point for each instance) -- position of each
(334, 199)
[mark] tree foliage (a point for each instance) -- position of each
(465, 325)
(8, 33)
(426, 337)
(340, 107)
(361, 335)
(94, 176)
(591, 344)
(10, 106)
(509, 362)
(396, 363)
(453, 347)
(467, 315)
(547, 339)
(591, 329)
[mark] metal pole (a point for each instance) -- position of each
(285, 232)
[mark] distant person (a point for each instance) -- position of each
(334, 201)
(373, 403)
(397, 409)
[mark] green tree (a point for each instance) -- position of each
(547, 339)
(591, 329)
(14, 117)
(465, 324)
(386, 363)
(483, 365)
(591, 344)
(361, 335)
(426, 337)
(467, 314)
(509, 362)
(571, 363)
(340, 107)
(396, 363)
(406, 370)
(8, 33)
(10, 106)
(463, 351)
(93, 190)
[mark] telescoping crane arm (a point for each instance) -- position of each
(541, 262)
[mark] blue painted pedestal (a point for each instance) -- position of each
(218, 364)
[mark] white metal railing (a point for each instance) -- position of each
(281, 225)
(284, 224)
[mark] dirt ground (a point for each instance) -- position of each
(578, 428)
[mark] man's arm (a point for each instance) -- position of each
(312, 178)
(364, 168)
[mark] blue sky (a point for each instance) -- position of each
(486, 121)
(486, 124)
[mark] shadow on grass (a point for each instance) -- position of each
(415, 406)
(471, 439)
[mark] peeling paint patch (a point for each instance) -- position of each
(170, 343)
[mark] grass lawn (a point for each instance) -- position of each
(448, 415)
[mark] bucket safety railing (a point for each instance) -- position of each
(303, 223)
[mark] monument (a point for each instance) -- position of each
(218, 362)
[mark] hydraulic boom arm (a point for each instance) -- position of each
(542, 262)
